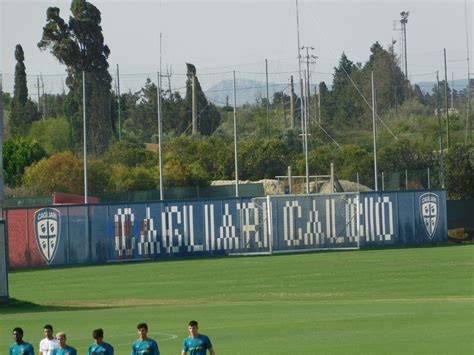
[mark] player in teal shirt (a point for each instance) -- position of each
(63, 349)
(196, 344)
(144, 345)
(20, 346)
(100, 347)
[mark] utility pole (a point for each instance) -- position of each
(309, 59)
(39, 97)
(84, 126)
(268, 100)
(404, 21)
(235, 143)
(468, 111)
(302, 108)
(452, 90)
(160, 138)
(446, 99)
(440, 132)
(44, 97)
(292, 103)
(194, 105)
(374, 128)
(319, 107)
(118, 105)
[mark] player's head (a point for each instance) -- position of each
(48, 331)
(193, 328)
(17, 334)
(97, 334)
(142, 330)
(61, 338)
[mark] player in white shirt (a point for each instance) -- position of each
(49, 343)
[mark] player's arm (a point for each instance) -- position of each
(183, 352)
(211, 351)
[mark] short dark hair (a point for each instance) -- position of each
(97, 333)
(193, 323)
(48, 326)
(142, 325)
(18, 330)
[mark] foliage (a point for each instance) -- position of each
(18, 154)
(23, 110)
(53, 133)
(125, 178)
(459, 172)
(62, 172)
(80, 46)
(127, 154)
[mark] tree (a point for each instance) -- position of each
(459, 172)
(23, 111)
(208, 116)
(18, 154)
(53, 133)
(80, 46)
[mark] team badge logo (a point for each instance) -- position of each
(47, 232)
(429, 212)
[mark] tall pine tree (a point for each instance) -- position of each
(80, 46)
(23, 111)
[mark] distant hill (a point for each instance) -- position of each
(248, 91)
(427, 86)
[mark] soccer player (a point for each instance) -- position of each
(20, 346)
(100, 347)
(63, 348)
(144, 345)
(196, 344)
(49, 343)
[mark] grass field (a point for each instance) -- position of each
(393, 301)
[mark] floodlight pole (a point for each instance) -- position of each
(374, 134)
(235, 143)
(84, 132)
(160, 138)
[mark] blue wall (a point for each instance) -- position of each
(101, 233)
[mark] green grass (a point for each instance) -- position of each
(395, 301)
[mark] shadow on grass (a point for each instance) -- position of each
(13, 306)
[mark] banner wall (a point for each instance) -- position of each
(80, 234)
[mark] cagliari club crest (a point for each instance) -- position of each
(47, 232)
(429, 205)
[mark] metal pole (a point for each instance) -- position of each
(268, 99)
(446, 99)
(332, 177)
(374, 129)
(383, 182)
(440, 132)
(160, 138)
(302, 106)
(118, 105)
(290, 178)
(1, 146)
(468, 111)
(85, 133)
(429, 182)
(305, 135)
(406, 179)
(235, 143)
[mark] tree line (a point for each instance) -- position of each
(43, 151)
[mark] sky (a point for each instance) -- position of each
(220, 37)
